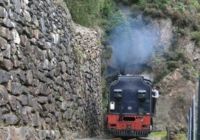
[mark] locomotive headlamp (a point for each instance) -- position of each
(112, 105)
(118, 93)
(142, 94)
(118, 90)
(142, 91)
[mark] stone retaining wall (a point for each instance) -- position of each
(49, 71)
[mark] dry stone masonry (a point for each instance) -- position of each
(49, 73)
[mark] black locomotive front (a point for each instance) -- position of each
(130, 106)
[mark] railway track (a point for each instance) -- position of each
(118, 139)
(133, 139)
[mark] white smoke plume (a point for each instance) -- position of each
(133, 43)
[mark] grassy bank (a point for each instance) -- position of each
(162, 135)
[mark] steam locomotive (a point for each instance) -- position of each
(130, 107)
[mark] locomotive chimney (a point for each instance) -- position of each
(122, 69)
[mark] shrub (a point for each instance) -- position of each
(181, 136)
(92, 13)
(194, 4)
(179, 6)
(196, 36)
(172, 65)
(159, 134)
(84, 12)
(189, 72)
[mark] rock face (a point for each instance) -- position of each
(49, 73)
(175, 68)
(172, 108)
(178, 84)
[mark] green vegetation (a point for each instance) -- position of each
(93, 13)
(196, 36)
(185, 14)
(190, 72)
(79, 55)
(104, 13)
(104, 94)
(160, 134)
(181, 136)
(173, 59)
(163, 135)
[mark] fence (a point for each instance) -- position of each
(194, 118)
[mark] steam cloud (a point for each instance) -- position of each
(133, 43)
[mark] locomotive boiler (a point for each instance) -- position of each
(130, 107)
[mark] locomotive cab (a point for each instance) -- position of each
(130, 111)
